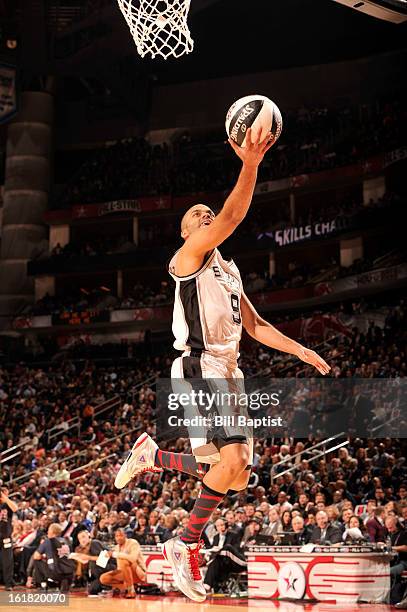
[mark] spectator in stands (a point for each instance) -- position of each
(368, 512)
(274, 523)
(345, 518)
(170, 527)
(123, 504)
(286, 518)
(355, 531)
(162, 507)
(375, 526)
(76, 523)
(323, 532)
(23, 541)
(333, 516)
(131, 567)
(141, 532)
(61, 474)
(155, 530)
(252, 530)
(231, 524)
(300, 533)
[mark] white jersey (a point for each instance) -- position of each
(206, 313)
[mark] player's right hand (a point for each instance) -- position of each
(312, 358)
(253, 152)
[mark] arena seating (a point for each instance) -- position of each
(66, 428)
(314, 139)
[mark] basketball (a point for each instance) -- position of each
(258, 112)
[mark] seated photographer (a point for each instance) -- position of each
(226, 556)
(51, 560)
(131, 567)
(324, 533)
(86, 555)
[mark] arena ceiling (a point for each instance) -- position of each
(87, 45)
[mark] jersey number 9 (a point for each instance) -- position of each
(234, 300)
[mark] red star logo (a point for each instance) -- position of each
(290, 582)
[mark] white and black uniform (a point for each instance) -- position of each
(207, 326)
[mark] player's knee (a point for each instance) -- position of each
(104, 578)
(237, 459)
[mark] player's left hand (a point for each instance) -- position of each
(311, 357)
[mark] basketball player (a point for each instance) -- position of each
(210, 310)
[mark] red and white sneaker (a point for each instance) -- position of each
(184, 561)
(140, 459)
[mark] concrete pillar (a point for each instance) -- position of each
(27, 180)
(272, 264)
(135, 231)
(119, 283)
(350, 250)
(59, 234)
(373, 189)
(292, 208)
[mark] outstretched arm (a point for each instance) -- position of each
(237, 204)
(264, 332)
(4, 499)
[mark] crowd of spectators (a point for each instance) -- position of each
(142, 295)
(376, 351)
(256, 230)
(68, 479)
(313, 139)
(101, 298)
(103, 245)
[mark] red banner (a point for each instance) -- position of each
(313, 328)
(216, 199)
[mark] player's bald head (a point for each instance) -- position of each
(192, 218)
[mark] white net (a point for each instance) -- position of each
(159, 27)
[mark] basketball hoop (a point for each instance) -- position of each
(159, 27)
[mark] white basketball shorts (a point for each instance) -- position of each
(224, 382)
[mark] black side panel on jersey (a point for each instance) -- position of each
(188, 292)
(191, 367)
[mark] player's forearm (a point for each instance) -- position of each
(238, 202)
(11, 504)
(270, 336)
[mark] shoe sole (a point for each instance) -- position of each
(123, 477)
(198, 598)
